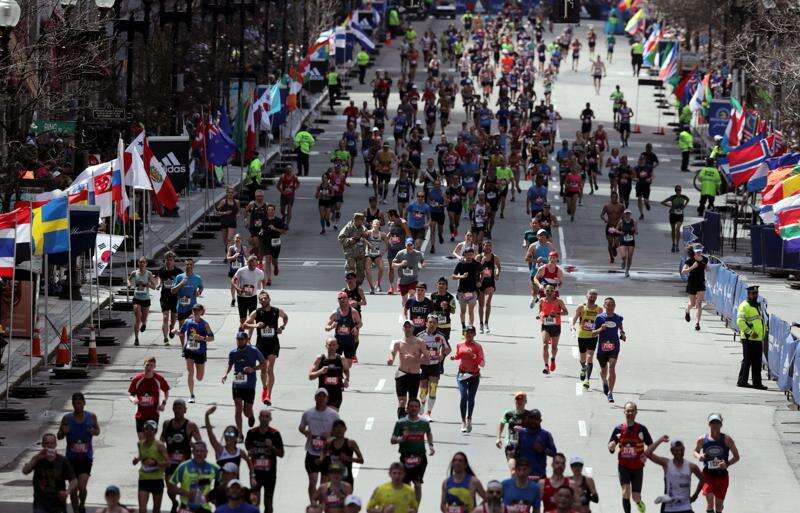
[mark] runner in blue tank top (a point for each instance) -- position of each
(79, 427)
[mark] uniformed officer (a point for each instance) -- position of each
(750, 322)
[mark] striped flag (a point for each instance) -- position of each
(741, 162)
(669, 66)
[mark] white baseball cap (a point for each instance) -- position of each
(354, 500)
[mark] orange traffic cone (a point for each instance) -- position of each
(637, 129)
(660, 131)
(62, 352)
(36, 344)
(92, 348)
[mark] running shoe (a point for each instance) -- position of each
(533, 302)
(269, 282)
(610, 397)
(663, 498)
(166, 341)
(481, 328)
(586, 385)
(486, 329)
(327, 222)
(136, 341)
(275, 269)
(452, 238)
(441, 239)
(265, 398)
(143, 327)
(686, 316)
(469, 425)
(583, 375)
(627, 274)
(372, 292)
(640, 506)
(463, 427)
(552, 364)
(605, 388)
(171, 333)
(545, 371)
(251, 421)
(433, 250)
(191, 399)
(233, 303)
(697, 327)
(378, 289)
(322, 232)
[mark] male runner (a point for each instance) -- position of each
(408, 261)
(512, 419)
(245, 360)
(345, 322)
(316, 425)
(467, 272)
(676, 203)
(418, 308)
(718, 452)
(246, 281)
(79, 428)
(177, 434)
(397, 233)
(412, 352)
(609, 331)
(265, 320)
(264, 444)
(168, 300)
(410, 433)
(433, 366)
(631, 439)
(611, 215)
(677, 477)
(187, 286)
(194, 480)
(329, 369)
(585, 316)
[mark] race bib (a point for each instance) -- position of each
(487, 273)
(608, 346)
(434, 354)
(248, 290)
(628, 452)
(176, 457)
(192, 344)
(275, 241)
(627, 237)
(235, 264)
(79, 447)
(491, 195)
(394, 239)
(418, 215)
(468, 296)
(442, 319)
(343, 330)
(147, 400)
(240, 378)
(678, 211)
(185, 301)
(331, 380)
(549, 321)
(263, 464)
(714, 464)
(518, 508)
(268, 332)
(412, 461)
(588, 326)
(407, 271)
(418, 321)
(317, 443)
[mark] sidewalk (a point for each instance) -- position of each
(160, 234)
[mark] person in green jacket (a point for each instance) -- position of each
(466, 20)
(685, 144)
(362, 60)
(252, 179)
(303, 142)
(637, 57)
(411, 35)
(717, 150)
(751, 330)
(709, 185)
(394, 22)
(332, 79)
(685, 117)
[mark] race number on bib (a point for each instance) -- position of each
(240, 378)
(549, 321)
(407, 271)
(275, 241)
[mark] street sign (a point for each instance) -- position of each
(42, 126)
(109, 114)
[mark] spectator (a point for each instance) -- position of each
(53, 478)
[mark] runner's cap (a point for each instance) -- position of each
(233, 482)
(716, 417)
(541, 232)
(407, 322)
(320, 391)
(752, 288)
(494, 485)
(231, 468)
(409, 240)
(520, 394)
(576, 460)
(676, 442)
(553, 254)
(470, 328)
(353, 500)
(627, 211)
(717, 137)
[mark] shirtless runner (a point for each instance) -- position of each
(611, 214)
(412, 352)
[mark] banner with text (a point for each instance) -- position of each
(174, 153)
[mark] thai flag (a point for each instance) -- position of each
(742, 161)
(758, 181)
(15, 229)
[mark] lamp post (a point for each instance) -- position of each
(131, 26)
(9, 17)
(175, 18)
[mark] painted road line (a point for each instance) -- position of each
(562, 244)
(310, 263)
(582, 428)
(575, 353)
(578, 388)
(569, 300)
(587, 471)
(203, 261)
(368, 424)
(379, 386)
(356, 468)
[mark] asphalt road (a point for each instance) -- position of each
(676, 375)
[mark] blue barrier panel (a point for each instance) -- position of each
(778, 329)
(786, 369)
(796, 378)
(712, 232)
(731, 282)
(712, 270)
(722, 287)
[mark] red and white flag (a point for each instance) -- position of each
(165, 194)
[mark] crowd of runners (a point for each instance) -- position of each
(511, 135)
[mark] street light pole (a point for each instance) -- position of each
(175, 18)
(9, 17)
(131, 26)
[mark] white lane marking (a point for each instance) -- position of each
(578, 389)
(521, 269)
(310, 263)
(424, 247)
(575, 353)
(562, 244)
(203, 261)
(368, 424)
(582, 428)
(557, 207)
(587, 471)
(569, 300)
(379, 386)
(356, 468)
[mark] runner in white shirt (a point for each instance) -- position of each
(248, 281)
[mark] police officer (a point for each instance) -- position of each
(303, 141)
(362, 59)
(685, 144)
(750, 322)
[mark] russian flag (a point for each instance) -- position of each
(758, 181)
(742, 161)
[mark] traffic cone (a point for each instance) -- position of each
(660, 131)
(92, 348)
(62, 352)
(637, 129)
(36, 344)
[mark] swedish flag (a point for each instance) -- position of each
(50, 227)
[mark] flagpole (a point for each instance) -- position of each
(133, 217)
(11, 316)
(34, 293)
(125, 281)
(70, 268)
(46, 270)
(205, 163)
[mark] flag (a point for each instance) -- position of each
(135, 173)
(291, 98)
(669, 66)
(105, 246)
(8, 242)
(651, 44)
(741, 162)
(119, 196)
(224, 121)
(680, 88)
(164, 192)
(787, 223)
(50, 227)
(733, 132)
(635, 23)
(701, 94)
(789, 186)
(750, 123)
(759, 180)
(275, 99)
(362, 37)
(220, 146)
(83, 225)
(244, 131)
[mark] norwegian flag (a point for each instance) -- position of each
(743, 160)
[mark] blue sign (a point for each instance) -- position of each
(719, 113)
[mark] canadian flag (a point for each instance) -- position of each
(165, 194)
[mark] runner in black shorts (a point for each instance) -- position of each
(265, 321)
(169, 301)
(412, 352)
(328, 369)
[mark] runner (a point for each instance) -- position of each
(612, 214)
(264, 444)
(316, 425)
(598, 72)
(630, 439)
(521, 494)
(375, 241)
(512, 419)
(345, 321)
(436, 202)
(676, 203)
(454, 196)
(444, 306)
(609, 331)
(412, 352)
(236, 256)
(227, 452)
(410, 433)
(490, 275)
(257, 210)
(287, 186)
(418, 308)
(343, 451)
(195, 334)
(624, 177)
(461, 486)
(535, 445)
(494, 499)
(154, 459)
(718, 452)
(141, 281)
(408, 262)
(627, 230)
(79, 428)
(432, 367)
(585, 316)
(246, 281)
(324, 195)
(549, 274)
(187, 286)
(177, 434)
(557, 481)
(244, 360)
(551, 308)
(193, 480)
(616, 97)
(677, 477)
(573, 187)
(144, 392)
(419, 219)
(168, 300)
(397, 232)
(265, 320)
(470, 356)
(395, 495)
(467, 272)
(536, 197)
(331, 494)
(274, 227)
(584, 485)
(695, 270)
(53, 477)
(329, 369)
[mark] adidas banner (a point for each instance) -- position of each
(174, 153)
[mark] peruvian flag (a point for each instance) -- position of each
(165, 195)
(743, 161)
